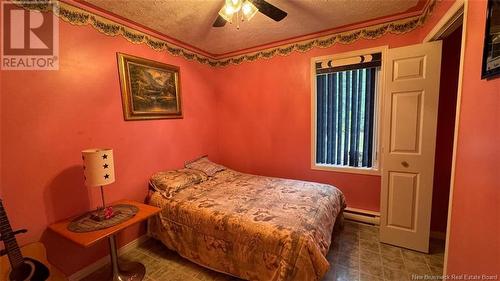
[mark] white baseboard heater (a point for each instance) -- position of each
(364, 216)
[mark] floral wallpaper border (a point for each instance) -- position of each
(78, 16)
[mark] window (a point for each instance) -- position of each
(346, 112)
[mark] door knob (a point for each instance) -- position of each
(405, 164)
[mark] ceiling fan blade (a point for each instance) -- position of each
(269, 10)
(219, 22)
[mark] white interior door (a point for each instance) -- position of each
(410, 102)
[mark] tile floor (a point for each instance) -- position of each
(355, 255)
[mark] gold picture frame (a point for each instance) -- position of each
(150, 89)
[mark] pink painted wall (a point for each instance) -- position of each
(264, 116)
(474, 245)
(448, 86)
(48, 117)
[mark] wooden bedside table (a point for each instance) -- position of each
(128, 271)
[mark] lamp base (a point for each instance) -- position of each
(102, 214)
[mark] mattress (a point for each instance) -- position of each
(252, 227)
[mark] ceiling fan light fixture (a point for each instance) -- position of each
(249, 10)
(229, 10)
(227, 13)
(234, 4)
(244, 10)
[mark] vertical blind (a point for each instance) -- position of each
(345, 117)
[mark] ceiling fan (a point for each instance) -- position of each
(244, 10)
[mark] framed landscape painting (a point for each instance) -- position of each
(491, 52)
(150, 89)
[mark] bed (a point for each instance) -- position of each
(252, 227)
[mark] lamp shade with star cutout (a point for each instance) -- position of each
(98, 166)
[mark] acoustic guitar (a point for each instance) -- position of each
(26, 264)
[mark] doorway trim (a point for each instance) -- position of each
(448, 21)
(460, 7)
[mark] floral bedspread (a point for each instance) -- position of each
(252, 227)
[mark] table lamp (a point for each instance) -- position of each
(99, 170)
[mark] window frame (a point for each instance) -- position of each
(377, 163)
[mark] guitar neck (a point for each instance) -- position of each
(9, 239)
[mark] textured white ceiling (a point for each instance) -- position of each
(190, 21)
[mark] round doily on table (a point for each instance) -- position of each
(85, 223)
